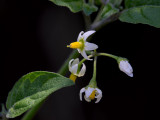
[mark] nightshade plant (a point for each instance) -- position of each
(32, 89)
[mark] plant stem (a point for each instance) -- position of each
(98, 15)
(93, 82)
(87, 20)
(81, 62)
(30, 114)
(95, 68)
(108, 55)
(99, 24)
(64, 68)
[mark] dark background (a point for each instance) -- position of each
(33, 37)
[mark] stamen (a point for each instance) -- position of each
(92, 96)
(75, 45)
(73, 77)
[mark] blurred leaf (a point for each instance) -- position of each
(144, 14)
(116, 3)
(89, 9)
(33, 88)
(73, 5)
(108, 10)
(134, 3)
(98, 2)
(3, 113)
(77, 5)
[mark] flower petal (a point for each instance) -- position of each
(98, 92)
(98, 95)
(87, 34)
(98, 99)
(83, 70)
(80, 93)
(125, 67)
(90, 46)
(70, 65)
(74, 69)
(89, 91)
(130, 74)
(83, 53)
(80, 35)
(87, 99)
(76, 61)
(79, 50)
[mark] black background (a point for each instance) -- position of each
(33, 37)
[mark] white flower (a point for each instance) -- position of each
(126, 67)
(73, 67)
(90, 94)
(81, 45)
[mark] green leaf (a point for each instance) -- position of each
(77, 5)
(134, 3)
(98, 2)
(89, 9)
(108, 10)
(73, 5)
(145, 14)
(116, 3)
(33, 88)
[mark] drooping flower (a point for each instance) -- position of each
(73, 68)
(90, 94)
(82, 46)
(125, 67)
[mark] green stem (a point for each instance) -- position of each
(87, 20)
(95, 68)
(30, 114)
(108, 55)
(93, 82)
(98, 17)
(82, 61)
(64, 68)
(99, 24)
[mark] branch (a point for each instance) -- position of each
(97, 25)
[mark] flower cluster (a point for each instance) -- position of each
(78, 68)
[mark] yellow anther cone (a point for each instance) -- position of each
(92, 96)
(73, 77)
(75, 45)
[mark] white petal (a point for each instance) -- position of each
(98, 92)
(90, 46)
(88, 92)
(80, 35)
(87, 99)
(126, 68)
(79, 50)
(80, 93)
(74, 69)
(76, 61)
(87, 34)
(83, 70)
(70, 65)
(130, 74)
(83, 53)
(98, 99)
(98, 95)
